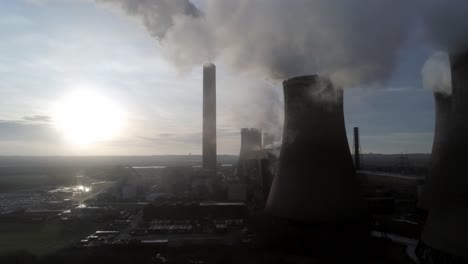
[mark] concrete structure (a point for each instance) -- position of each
(248, 167)
(315, 179)
(443, 110)
(251, 143)
(209, 119)
(357, 149)
(445, 229)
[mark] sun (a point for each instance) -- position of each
(85, 118)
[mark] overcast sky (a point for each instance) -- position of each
(52, 48)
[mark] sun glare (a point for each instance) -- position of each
(85, 117)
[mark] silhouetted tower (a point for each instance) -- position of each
(209, 119)
(315, 179)
(248, 167)
(443, 110)
(357, 149)
(445, 229)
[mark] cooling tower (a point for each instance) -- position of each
(445, 229)
(251, 146)
(443, 109)
(315, 179)
(209, 119)
(251, 143)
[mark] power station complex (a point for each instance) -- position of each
(313, 179)
(301, 199)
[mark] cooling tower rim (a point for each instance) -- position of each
(442, 95)
(209, 65)
(303, 78)
(306, 79)
(458, 56)
(250, 129)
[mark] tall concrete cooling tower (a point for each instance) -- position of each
(443, 110)
(209, 119)
(445, 231)
(315, 179)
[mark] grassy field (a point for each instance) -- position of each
(41, 239)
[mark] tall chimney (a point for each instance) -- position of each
(209, 119)
(443, 110)
(357, 148)
(315, 179)
(445, 229)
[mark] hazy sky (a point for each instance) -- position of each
(54, 48)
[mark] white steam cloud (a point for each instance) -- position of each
(352, 42)
(436, 73)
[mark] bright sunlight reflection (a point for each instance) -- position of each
(85, 117)
(81, 188)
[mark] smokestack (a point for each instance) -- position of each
(209, 119)
(251, 145)
(443, 110)
(357, 148)
(315, 179)
(445, 229)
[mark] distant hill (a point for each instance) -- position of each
(368, 160)
(417, 164)
(97, 161)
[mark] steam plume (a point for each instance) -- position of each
(436, 74)
(352, 42)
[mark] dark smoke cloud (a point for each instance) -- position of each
(353, 42)
(157, 15)
(446, 23)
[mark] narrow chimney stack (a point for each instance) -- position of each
(209, 119)
(357, 149)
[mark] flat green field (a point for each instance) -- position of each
(41, 239)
